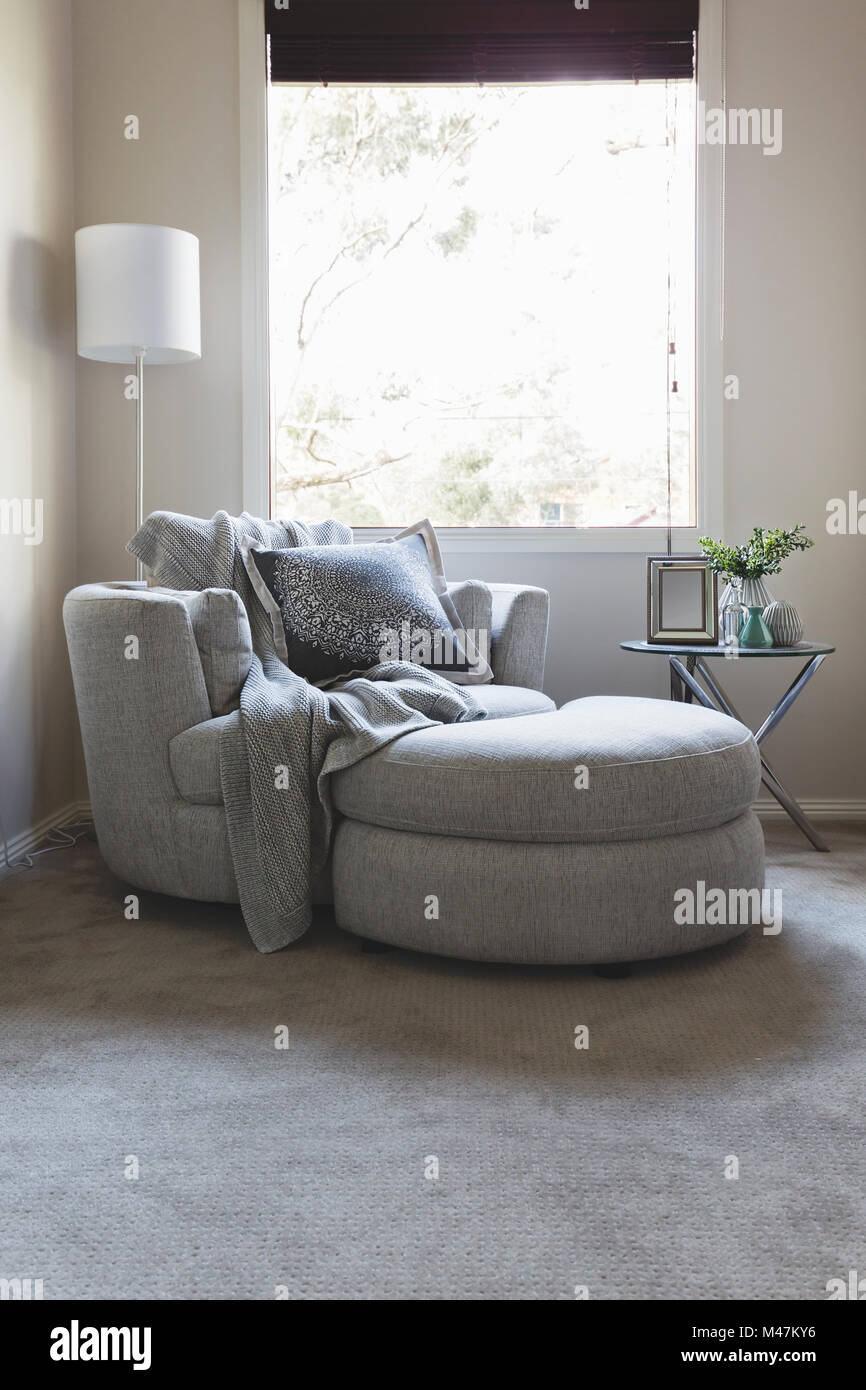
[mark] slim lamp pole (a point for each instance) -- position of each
(139, 443)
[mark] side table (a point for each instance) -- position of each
(685, 686)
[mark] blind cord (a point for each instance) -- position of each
(672, 385)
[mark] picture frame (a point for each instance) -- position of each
(682, 601)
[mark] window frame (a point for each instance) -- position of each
(709, 328)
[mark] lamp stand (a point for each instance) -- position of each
(139, 446)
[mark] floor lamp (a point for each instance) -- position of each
(137, 296)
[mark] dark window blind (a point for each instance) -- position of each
(404, 41)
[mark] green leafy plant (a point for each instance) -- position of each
(762, 553)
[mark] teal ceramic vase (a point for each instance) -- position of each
(754, 632)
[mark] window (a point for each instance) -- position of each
(473, 294)
(482, 296)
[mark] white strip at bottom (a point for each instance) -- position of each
(27, 840)
(824, 808)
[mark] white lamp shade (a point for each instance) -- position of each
(137, 286)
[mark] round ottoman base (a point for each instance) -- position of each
(544, 904)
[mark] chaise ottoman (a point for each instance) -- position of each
(555, 838)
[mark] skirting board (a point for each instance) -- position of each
(822, 809)
(28, 840)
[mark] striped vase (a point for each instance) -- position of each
(756, 592)
(753, 592)
(784, 622)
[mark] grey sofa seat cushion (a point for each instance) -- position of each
(195, 753)
(509, 701)
(195, 762)
(654, 768)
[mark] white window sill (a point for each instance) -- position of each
(547, 540)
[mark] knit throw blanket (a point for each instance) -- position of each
(279, 750)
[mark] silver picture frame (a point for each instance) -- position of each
(682, 602)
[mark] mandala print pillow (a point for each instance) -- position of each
(342, 609)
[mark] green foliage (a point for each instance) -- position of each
(469, 492)
(762, 553)
(456, 239)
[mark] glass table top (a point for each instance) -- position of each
(802, 649)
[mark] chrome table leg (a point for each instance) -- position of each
(721, 703)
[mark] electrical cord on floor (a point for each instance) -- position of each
(65, 841)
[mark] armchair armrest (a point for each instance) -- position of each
(518, 627)
(517, 624)
(519, 634)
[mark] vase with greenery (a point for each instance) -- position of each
(744, 568)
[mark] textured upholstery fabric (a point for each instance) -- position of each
(225, 645)
(538, 903)
(150, 833)
(485, 816)
(519, 634)
(653, 768)
(473, 604)
(195, 753)
(195, 762)
(511, 701)
(130, 707)
(278, 750)
(203, 853)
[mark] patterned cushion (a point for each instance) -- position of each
(336, 610)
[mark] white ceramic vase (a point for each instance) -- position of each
(784, 622)
(753, 593)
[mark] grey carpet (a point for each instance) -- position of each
(305, 1168)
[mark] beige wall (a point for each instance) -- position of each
(795, 337)
(796, 310)
(173, 64)
(36, 407)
